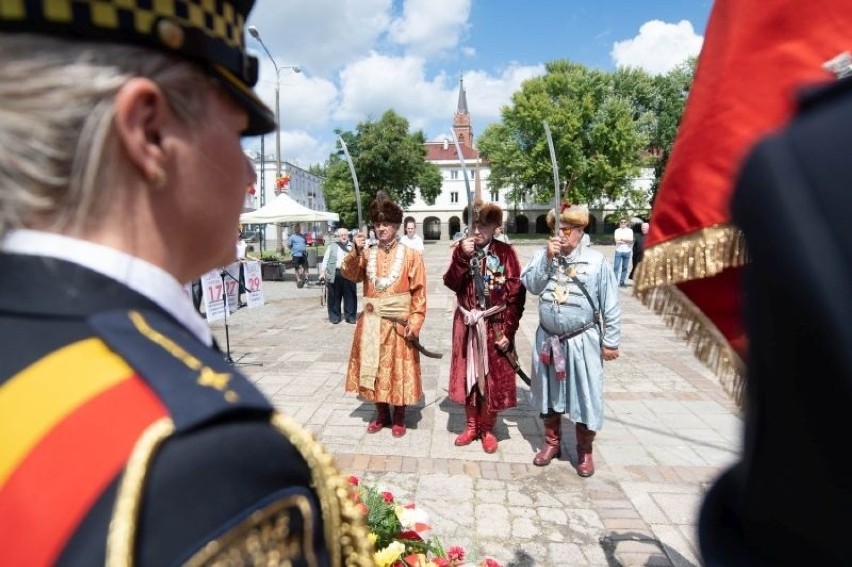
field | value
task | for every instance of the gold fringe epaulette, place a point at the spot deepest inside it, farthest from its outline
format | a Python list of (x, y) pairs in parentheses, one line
[(701, 254)]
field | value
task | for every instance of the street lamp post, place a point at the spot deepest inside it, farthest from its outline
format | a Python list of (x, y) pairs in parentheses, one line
[(255, 33)]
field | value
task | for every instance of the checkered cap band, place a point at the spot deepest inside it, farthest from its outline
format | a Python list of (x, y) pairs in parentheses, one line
[(210, 32)]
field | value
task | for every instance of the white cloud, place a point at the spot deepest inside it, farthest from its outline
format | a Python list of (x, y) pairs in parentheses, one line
[(306, 102), (487, 94), (303, 149), (377, 83), (429, 27), (659, 46), (319, 35)]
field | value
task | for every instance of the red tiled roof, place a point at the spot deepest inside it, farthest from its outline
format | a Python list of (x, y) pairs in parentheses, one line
[(435, 152)]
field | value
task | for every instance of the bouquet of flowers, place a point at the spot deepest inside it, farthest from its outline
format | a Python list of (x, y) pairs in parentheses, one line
[(402, 534)]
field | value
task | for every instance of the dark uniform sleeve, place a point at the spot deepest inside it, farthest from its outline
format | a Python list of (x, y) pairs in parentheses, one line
[(223, 477)]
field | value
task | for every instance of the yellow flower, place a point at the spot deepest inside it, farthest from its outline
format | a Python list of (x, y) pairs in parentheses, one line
[(372, 537), (387, 556)]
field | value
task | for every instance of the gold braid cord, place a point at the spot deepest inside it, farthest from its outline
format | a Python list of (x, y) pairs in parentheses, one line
[(346, 532), (264, 538), (701, 254), (121, 537)]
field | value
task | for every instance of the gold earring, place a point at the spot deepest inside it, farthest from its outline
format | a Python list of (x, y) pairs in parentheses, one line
[(159, 179)]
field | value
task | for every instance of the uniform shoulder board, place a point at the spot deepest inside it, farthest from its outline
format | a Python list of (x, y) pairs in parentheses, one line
[(194, 382)]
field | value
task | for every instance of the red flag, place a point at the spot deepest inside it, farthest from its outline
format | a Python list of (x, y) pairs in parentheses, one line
[(756, 57)]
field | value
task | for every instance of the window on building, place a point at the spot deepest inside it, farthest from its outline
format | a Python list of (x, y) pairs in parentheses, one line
[(495, 195), (454, 196), (454, 174)]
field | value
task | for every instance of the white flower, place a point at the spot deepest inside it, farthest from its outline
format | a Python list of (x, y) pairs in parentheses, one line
[(416, 519)]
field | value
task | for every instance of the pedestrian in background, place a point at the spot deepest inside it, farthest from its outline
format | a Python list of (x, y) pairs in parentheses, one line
[(484, 274), (639, 232), (579, 328), (298, 246), (623, 249), (411, 238), (384, 365), (339, 288), (126, 437), (500, 235)]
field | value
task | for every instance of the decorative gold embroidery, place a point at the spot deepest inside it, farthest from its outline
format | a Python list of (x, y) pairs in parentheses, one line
[(207, 376), (264, 538), (158, 338), (342, 521), (122, 525), (211, 378)]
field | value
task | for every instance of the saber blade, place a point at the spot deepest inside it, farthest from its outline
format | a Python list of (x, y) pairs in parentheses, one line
[(354, 180), (555, 167), (466, 184)]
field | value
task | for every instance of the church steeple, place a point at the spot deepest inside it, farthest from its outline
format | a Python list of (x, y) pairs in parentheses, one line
[(461, 121), (462, 106)]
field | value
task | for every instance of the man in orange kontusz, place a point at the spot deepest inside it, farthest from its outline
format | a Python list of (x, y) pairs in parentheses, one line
[(384, 366)]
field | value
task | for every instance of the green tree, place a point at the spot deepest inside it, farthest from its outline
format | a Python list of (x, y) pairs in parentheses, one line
[(317, 169), (671, 91), (386, 156), (595, 120)]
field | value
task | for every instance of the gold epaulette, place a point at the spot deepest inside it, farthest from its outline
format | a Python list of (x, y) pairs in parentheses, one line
[(264, 536)]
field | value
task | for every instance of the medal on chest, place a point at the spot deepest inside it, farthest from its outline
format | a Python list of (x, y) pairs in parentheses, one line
[(563, 274)]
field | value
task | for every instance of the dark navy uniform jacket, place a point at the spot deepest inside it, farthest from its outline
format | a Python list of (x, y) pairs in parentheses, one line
[(102, 392), (790, 496)]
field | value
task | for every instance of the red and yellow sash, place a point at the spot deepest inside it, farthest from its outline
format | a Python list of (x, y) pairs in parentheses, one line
[(68, 423)]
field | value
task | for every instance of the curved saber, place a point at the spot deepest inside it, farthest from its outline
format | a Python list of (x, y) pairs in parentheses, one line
[(354, 180), (555, 167), (466, 185)]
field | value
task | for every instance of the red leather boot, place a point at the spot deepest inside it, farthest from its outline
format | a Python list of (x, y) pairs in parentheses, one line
[(487, 419), (552, 447), (381, 420), (585, 437), (471, 431), (398, 429)]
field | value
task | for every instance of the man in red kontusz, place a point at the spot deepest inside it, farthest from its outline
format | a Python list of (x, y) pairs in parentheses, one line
[(485, 274)]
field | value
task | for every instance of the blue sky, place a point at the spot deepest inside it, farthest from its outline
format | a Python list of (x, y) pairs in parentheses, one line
[(361, 57)]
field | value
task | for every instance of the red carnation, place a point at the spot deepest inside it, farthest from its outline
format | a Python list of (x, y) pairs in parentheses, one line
[(455, 553), (388, 497), (353, 480)]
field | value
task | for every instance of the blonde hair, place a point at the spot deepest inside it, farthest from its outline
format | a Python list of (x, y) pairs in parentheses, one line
[(57, 145)]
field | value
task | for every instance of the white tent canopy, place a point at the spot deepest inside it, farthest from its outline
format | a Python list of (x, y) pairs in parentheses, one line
[(285, 209)]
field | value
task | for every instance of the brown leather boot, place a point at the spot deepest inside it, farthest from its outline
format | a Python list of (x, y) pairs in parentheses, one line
[(381, 420), (487, 419), (552, 447), (585, 464), (398, 429), (471, 431)]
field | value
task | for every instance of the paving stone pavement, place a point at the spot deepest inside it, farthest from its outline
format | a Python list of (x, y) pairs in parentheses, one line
[(669, 430)]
